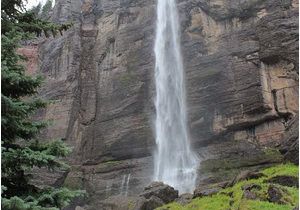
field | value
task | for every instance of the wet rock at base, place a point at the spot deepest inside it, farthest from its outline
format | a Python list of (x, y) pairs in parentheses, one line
[(160, 190)]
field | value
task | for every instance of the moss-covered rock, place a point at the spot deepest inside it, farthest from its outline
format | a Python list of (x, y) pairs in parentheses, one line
[(234, 197)]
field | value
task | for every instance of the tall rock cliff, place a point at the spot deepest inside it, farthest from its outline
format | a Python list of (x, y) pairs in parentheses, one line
[(241, 62)]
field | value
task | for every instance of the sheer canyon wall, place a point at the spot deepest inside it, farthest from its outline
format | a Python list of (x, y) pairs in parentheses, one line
[(241, 62)]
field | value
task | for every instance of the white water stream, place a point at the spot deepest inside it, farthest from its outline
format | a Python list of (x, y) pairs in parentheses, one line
[(175, 163), (125, 184)]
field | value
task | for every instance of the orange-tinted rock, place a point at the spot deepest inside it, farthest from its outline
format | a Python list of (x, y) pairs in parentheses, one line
[(31, 54)]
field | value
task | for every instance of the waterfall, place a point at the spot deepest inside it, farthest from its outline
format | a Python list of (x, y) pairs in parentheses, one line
[(122, 185), (125, 184), (174, 162)]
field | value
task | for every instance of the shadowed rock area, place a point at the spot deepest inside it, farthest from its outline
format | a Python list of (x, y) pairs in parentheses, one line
[(241, 62)]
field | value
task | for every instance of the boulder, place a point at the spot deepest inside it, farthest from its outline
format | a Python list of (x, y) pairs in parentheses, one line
[(160, 190), (274, 194), (248, 194), (289, 181), (200, 192)]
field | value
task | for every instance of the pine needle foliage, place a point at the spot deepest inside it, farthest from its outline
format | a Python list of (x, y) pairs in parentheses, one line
[(21, 149)]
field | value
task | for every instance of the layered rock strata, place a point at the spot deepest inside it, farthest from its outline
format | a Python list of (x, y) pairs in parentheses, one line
[(241, 62)]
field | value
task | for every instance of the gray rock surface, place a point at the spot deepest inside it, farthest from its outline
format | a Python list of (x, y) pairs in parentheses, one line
[(290, 144), (158, 189), (152, 203)]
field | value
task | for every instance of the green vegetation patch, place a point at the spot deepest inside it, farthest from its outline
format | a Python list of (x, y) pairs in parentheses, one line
[(233, 198), (282, 169), (131, 205), (262, 205), (215, 202)]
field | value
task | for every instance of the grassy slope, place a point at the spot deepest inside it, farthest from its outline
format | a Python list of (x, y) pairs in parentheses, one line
[(231, 198)]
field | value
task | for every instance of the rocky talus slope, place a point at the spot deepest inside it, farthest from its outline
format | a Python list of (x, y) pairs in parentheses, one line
[(241, 62)]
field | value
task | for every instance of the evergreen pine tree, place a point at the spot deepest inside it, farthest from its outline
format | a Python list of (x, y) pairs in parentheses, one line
[(21, 149)]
